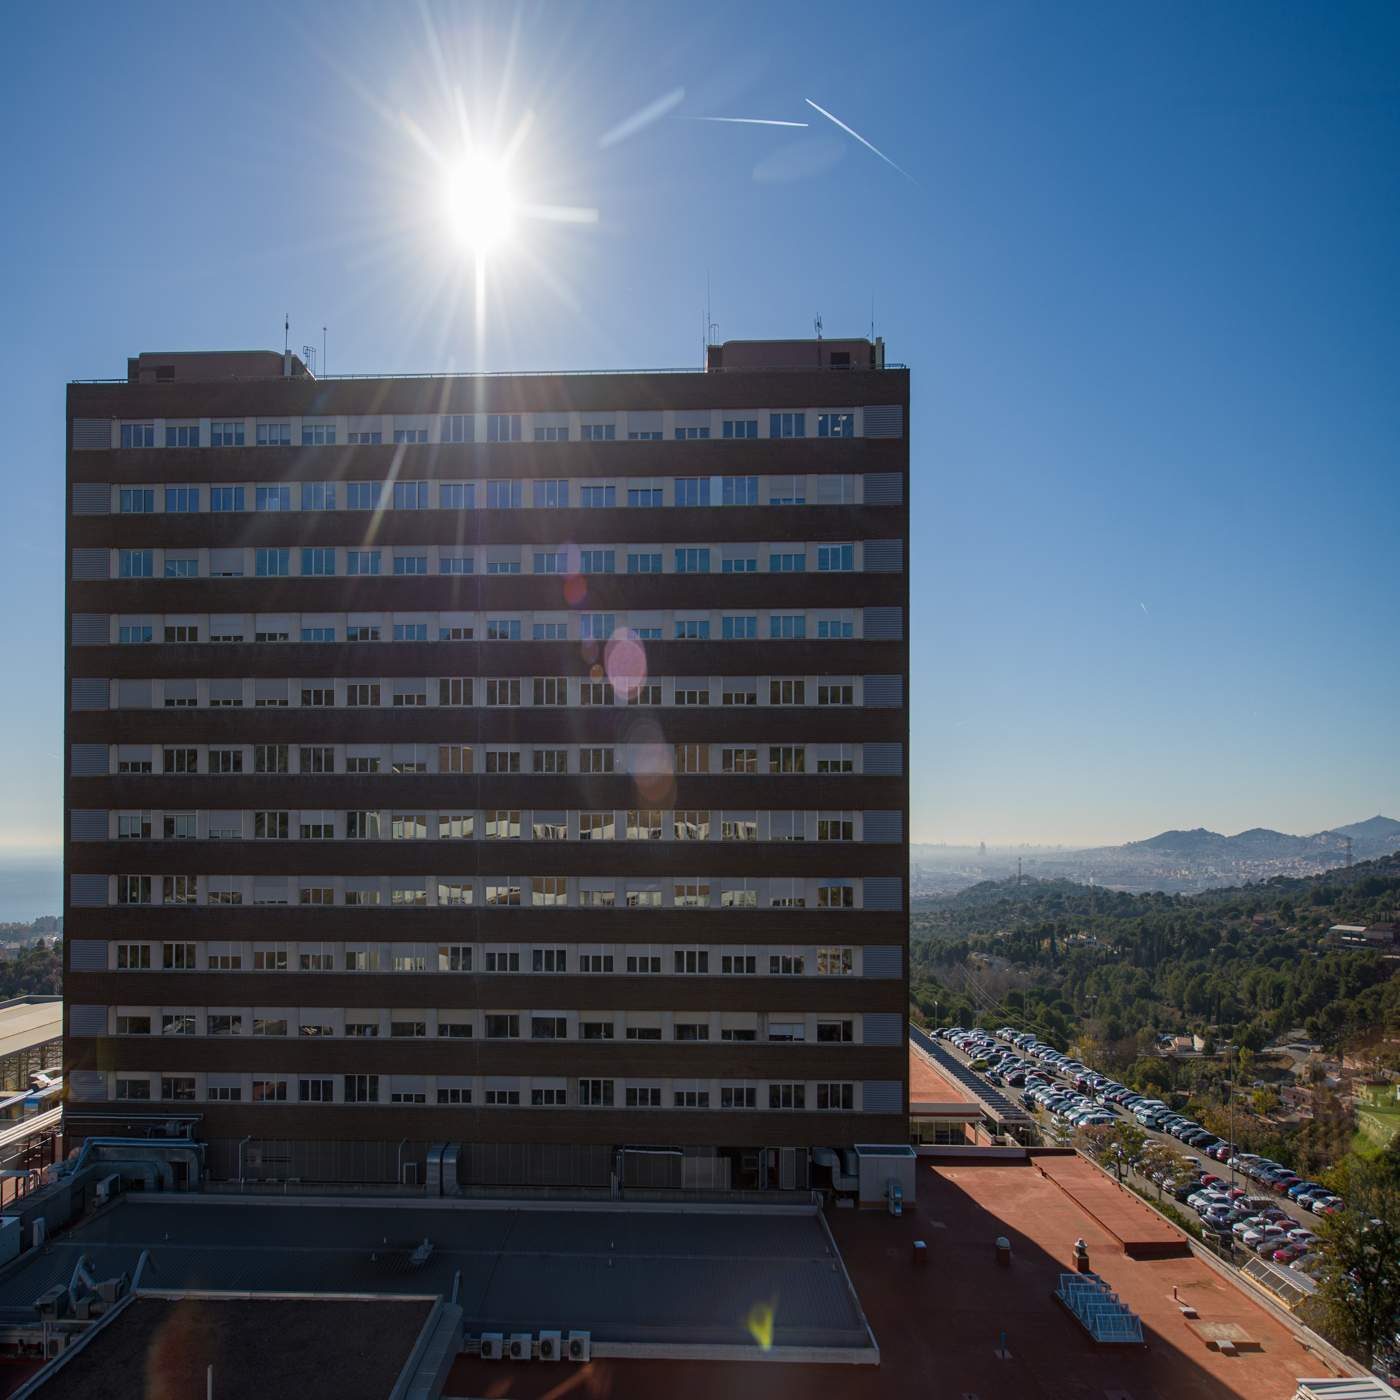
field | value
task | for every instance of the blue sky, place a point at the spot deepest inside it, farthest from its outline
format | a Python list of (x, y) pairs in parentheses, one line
[(1144, 271)]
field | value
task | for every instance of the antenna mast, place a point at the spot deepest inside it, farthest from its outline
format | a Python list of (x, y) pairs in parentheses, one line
[(286, 332)]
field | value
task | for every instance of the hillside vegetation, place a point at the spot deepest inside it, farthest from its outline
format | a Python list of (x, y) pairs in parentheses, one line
[(1248, 963)]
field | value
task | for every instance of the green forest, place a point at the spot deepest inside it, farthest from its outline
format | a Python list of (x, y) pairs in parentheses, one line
[(36, 969), (1104, 974), (1244, 964)]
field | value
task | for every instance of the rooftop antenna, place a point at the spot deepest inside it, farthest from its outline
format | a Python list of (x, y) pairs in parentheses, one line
[(286, 331), (817, 326), (323, 350), (308, 354), (872, 317)]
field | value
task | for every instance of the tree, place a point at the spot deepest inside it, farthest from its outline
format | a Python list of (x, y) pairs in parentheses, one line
[(1160, 1159), (1112, 1144), (1358, 1299)]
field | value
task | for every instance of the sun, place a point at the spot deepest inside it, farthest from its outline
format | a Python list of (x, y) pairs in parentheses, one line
[(478, 205)]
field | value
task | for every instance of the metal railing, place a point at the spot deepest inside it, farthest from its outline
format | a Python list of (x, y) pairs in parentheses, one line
[(518, 374)]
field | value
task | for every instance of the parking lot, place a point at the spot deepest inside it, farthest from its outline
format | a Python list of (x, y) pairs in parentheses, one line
[(1245, 1202)]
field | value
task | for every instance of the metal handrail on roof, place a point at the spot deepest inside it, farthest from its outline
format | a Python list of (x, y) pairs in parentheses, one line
[(515, 374)]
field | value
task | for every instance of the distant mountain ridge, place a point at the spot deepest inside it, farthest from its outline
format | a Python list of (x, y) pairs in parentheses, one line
[(1375, 836), (1180, 862)]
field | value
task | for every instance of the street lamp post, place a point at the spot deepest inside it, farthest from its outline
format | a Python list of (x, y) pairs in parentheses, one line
[(1230, 1089)]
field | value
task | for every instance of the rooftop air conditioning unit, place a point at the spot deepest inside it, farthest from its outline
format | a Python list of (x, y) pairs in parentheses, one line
[(551, 1346), (492, 1346), (522, 1346), (580, 1346), (107, 1188)]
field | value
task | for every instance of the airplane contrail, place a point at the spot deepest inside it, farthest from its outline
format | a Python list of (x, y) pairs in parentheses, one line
[(748, 121), (653, 111), (850, 132)]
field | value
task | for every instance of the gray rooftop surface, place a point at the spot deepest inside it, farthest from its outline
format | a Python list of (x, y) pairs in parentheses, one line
[(624, 1276)]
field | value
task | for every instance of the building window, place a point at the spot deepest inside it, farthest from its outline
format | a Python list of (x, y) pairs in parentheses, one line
[(646, 496), (138, 435), (226, 434), (181, 500), (410, 495), (795, 563), (272, 498), (550, 495), (365, 438), (787, 626), (136, 500), (361, 1088), (406, 565), (599, 432), (692, 490), (649, 563), (502, 427), (318, 563), (597, 627), (742, 761), (226, 498), (787, 1096), (787, 425), (740, 428), (363, 495), (457, 495), (836, 1096), (361, 561), (458, 427), (274, 435), (740, 628), (836, 894), (272, 563), (692, 561), (410, 435), (504, 495), (597, 561), (692, 434), (835, 558), (595, 1093), (739, 490), (598, 497), (835, 962), (318, 434), (135, 563), (692, 629), (837, 425)]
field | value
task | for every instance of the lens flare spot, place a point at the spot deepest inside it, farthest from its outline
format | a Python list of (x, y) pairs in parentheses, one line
[(653, 772), (760, 1323), (575, 590), (625, 660)]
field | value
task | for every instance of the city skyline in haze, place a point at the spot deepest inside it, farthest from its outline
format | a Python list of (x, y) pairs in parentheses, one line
[(1140, 263)]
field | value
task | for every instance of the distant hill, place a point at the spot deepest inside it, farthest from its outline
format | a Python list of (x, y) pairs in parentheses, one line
[(1172, 861), (1374, 837)]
